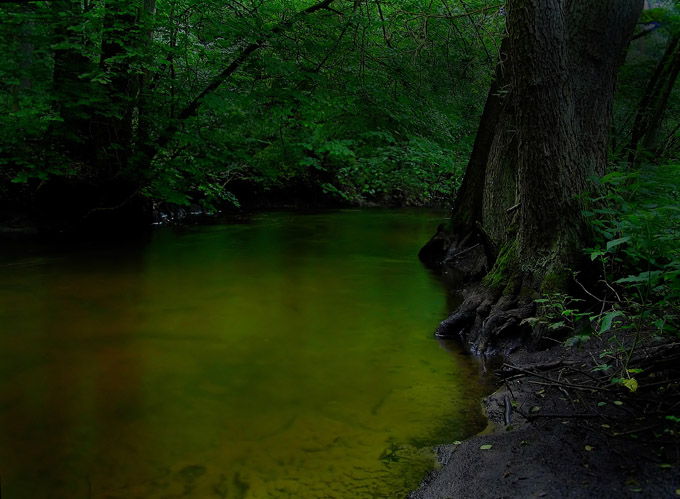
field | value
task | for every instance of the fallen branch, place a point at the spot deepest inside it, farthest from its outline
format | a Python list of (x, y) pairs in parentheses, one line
[(635, 430), (508, 410), (544, 366), (561, 416), (555, 382)]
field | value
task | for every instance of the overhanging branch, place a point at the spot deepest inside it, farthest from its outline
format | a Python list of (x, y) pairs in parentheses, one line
[(190, 110)]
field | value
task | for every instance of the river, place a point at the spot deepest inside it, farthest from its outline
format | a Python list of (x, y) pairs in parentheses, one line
[(288, 356)]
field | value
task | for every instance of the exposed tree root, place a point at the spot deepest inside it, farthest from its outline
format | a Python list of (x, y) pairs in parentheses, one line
[(498, 295), (489, 325)]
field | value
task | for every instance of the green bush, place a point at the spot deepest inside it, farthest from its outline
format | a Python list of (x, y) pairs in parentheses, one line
[(636, 227)]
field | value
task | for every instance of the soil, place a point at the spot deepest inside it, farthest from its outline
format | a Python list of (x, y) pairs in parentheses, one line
[(558, 428)]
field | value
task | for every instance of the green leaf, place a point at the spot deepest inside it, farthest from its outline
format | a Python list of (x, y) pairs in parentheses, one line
[(642, 277), (576, 341), (21, 178), (309, 161), (631, 384), (617, 242), (606, 323), (530, 320), (595, 253), (485, 447)]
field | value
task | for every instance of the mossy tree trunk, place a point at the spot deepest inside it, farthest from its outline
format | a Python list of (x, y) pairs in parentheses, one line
[(544, 131)]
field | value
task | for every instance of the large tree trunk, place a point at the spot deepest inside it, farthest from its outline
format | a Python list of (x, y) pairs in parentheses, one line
[(544, 131)]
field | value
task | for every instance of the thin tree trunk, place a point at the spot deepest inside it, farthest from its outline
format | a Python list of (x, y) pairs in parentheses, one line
[(144, 116), (68, 89), (467, 207), (112, 127), (655, 100)]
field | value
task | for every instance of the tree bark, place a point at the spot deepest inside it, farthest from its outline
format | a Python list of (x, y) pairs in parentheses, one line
[(112, 129), (70, 90), (544, 131)]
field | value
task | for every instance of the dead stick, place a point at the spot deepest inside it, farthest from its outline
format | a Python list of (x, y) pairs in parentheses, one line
[(547, 378), (508, 409), (566, 416)]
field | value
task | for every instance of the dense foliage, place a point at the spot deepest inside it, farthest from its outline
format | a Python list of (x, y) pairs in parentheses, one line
[(636, 223), (634, 211), (195, 101)]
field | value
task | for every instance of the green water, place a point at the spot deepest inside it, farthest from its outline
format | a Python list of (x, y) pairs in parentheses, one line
[(288, 357)]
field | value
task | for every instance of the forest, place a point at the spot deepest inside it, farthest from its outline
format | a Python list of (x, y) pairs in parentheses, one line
[(116, 107), (119, 106), (548, 129)]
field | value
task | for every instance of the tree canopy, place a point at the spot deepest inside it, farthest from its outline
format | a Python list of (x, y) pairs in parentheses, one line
[(210, 102)]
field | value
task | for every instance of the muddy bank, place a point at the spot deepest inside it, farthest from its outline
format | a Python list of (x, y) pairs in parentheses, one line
[(559, 429)]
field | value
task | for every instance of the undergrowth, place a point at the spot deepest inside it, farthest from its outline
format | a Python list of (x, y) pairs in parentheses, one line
[(635, 221)]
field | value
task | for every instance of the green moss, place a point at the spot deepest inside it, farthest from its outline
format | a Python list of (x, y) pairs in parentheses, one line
[(555, 281), (528, 293), (503, 276)]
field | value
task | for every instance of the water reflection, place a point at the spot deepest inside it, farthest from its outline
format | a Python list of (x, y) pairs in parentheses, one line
[(289, 357)]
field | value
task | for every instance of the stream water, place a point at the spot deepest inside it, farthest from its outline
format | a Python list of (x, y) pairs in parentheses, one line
[(291, 356)]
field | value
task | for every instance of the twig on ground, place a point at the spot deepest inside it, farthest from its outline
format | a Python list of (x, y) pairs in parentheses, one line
[(556, 382), (508, 410), (560, 416), (635, 430)]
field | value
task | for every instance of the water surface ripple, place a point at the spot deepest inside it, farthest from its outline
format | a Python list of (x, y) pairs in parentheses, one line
[(288, 357)]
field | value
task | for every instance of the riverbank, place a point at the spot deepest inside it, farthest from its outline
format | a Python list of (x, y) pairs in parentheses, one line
[(559, 429), (20, 222)]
